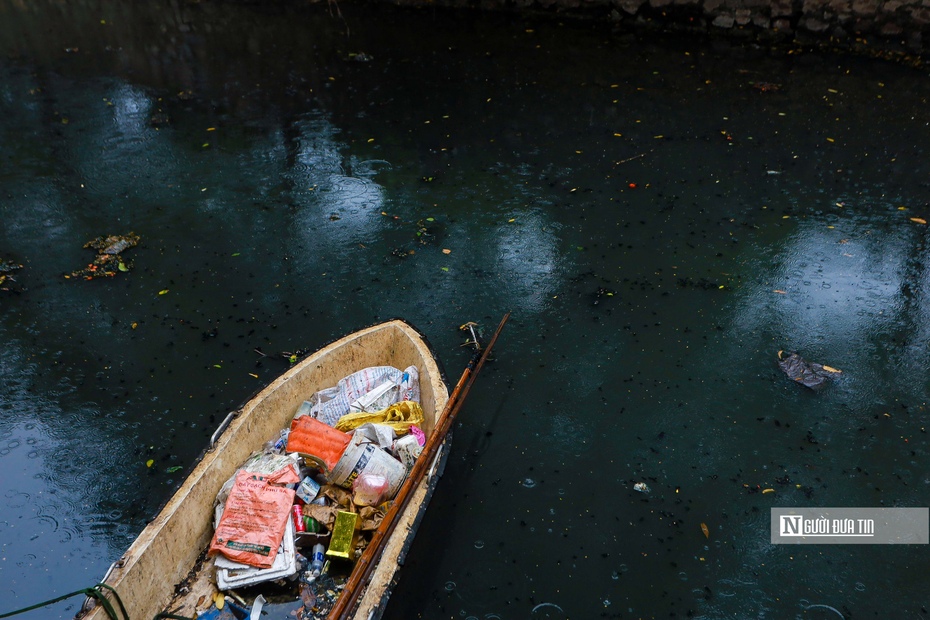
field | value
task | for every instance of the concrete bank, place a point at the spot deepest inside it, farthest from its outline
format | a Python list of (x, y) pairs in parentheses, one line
[(897, 29)]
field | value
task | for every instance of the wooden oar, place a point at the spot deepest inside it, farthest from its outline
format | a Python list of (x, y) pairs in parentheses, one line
[(348, 600)]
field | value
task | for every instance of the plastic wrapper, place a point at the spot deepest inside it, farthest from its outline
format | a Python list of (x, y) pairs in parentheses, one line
[(317, 442), (369, 489), (253, 521), (332, 403), (809, 374), (381, 434), (274, 468), (399, 416)]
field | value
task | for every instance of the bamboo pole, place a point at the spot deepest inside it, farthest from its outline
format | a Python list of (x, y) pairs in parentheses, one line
[(348, 600)]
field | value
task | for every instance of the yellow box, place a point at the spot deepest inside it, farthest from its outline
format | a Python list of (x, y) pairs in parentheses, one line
[(340, 545)]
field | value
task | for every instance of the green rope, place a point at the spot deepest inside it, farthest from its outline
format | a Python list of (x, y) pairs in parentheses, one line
[(94, 592), (98, 594)]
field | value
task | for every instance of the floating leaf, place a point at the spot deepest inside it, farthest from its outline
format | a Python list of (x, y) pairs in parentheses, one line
[(162, 292), (780, 292), (134, 325), (705, 530), (217, 366), (444, 268), (831, 369), (236, 253), (919, 220), (122, 266), (252, 374), (768, 490), (430, 219), (150, 462), (446, 251), (171, 470)]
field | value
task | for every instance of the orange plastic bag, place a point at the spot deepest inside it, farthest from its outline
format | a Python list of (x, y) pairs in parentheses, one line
[(253, 522), (320, 442)]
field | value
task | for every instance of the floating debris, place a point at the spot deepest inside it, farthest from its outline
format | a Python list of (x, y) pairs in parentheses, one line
[(429, 231), (159, 119), (109, 258), (601, 293), (766, 87), (319, 595), (701, 283), (808, 374), (642, 487), (6, 268)]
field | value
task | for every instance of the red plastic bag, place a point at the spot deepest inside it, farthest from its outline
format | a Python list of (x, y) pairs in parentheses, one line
[(253, 522), (319, 441)]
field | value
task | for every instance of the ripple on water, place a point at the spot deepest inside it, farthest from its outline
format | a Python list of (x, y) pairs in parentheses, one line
[(16, 499), (547, 611)]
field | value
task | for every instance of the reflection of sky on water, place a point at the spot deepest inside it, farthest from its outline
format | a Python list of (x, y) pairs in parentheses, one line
[(132, 110), (843, 290), (326, 183), (846, 292), (343, 192)]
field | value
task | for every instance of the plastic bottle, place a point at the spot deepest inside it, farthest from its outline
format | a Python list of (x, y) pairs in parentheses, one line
[(316, 559)]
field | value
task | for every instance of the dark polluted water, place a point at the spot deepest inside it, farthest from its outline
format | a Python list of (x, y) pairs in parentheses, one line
[(662, 217)]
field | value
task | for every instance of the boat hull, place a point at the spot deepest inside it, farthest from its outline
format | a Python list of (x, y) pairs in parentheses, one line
[(165, 568)]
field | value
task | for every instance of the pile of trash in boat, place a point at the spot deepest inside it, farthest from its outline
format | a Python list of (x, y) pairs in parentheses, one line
[(302, 510)]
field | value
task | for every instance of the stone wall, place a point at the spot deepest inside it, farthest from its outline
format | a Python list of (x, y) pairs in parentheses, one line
[(892, 28)]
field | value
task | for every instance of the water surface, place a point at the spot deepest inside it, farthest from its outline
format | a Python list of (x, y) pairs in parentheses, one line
[(659, 225)]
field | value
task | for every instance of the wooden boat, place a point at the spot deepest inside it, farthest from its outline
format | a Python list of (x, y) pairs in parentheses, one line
[(148, 578)]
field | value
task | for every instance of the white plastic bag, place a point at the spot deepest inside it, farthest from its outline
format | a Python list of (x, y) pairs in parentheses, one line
[(394, 386)]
